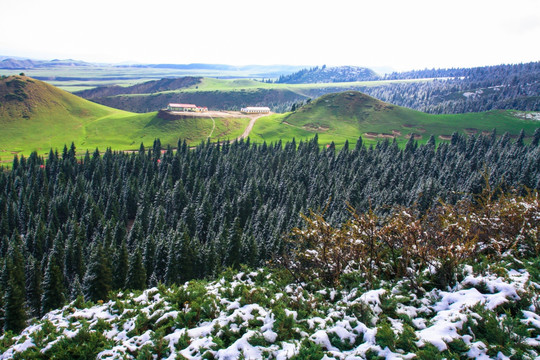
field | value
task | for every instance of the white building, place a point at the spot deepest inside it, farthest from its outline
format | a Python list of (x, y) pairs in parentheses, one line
[(186, 107), (255, 110)]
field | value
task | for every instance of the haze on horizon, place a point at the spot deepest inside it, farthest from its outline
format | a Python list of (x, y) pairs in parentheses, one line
[(402, 35)]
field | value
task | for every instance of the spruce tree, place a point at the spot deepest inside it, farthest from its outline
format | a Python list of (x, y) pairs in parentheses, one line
[(121, 264), (53, 285), (14, 288), (136, 275), (97, 281), (34, 283)]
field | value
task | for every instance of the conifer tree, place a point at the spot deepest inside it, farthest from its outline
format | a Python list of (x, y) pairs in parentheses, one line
[(14, 287), (136, 275), (97, 280), (53, 286), (234, 245), (76, 289), (121, 264), (34, 289)]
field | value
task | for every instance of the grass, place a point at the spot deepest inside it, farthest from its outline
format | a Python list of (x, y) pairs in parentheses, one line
[(50, 118), (346, 116)]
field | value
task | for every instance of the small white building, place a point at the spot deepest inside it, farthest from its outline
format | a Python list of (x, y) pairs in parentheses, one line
[(255, 110), (186, 107)]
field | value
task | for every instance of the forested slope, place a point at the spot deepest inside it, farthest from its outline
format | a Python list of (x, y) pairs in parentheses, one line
[(117, 220)]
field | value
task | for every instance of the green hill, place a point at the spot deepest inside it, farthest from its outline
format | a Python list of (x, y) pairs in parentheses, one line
[(36, 116), (347, 115)]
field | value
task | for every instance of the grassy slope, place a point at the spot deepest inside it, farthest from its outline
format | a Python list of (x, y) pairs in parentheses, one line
[(345, 116), (50, 117)]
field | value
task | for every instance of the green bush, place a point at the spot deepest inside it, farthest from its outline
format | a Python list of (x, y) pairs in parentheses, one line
[(309, 351), (341, 344), (406, 341), (84, 346), (385, 336)]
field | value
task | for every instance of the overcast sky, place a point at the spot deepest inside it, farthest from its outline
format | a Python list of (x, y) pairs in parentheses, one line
[(402, 34)]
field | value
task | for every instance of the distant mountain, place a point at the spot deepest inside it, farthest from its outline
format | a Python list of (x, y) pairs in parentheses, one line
[(148, 87), (24, 64), (329, 74), (235, 71)]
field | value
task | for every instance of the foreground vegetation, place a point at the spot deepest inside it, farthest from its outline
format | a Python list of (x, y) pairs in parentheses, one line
[(460, 281), (117, 221)]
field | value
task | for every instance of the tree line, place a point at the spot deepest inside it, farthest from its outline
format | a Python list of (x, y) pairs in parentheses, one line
[(460, 90), (72, 227)]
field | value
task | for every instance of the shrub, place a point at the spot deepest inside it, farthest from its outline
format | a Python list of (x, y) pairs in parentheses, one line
[(85, 345), (406, 243), (309, 351), (385, 336)]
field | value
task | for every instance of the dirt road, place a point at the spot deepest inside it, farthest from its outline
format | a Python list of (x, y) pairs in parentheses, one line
[(250, 125)]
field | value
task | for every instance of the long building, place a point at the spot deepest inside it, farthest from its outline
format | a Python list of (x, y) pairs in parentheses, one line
[(255, 110), (186, 107)]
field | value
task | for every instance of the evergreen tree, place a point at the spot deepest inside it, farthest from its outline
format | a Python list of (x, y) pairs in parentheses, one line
[(121, 264), (97, 280), (234, 245), (14, 288), (53, 285), (136, 275), (34, 289)]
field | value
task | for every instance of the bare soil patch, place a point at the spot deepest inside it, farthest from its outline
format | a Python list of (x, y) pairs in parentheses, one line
[(315, 127), (445, 137), (470, 131), (414, 136), (373, 135)]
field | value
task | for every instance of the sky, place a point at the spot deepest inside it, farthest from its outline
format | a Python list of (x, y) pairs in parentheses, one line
[(403, 35)]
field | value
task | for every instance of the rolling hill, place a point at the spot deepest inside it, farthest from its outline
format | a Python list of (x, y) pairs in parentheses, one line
[(143, 88), (36, 116), (347, 115)]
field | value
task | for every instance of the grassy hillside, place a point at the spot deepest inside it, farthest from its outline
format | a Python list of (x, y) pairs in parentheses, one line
[(347, 115), (36, 116)]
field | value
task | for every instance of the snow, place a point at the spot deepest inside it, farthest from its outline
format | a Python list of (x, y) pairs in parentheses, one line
[(321, 338), (437, 316), (372, 298), (28, 343), (270, 336), (240, 347)]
